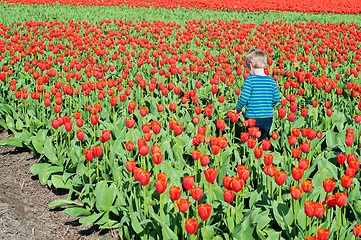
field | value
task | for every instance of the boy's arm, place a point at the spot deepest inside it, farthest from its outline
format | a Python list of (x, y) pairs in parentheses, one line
[(276, 95), (245, 94)]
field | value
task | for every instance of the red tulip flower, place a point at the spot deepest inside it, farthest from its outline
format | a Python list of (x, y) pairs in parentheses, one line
[(341, 158), (175, 192), (252, 142), (210, 174), (268, 159), (129, 123), (329, 185), (258, 152), (188, 182), (341, 199), (304, 163), (215, 149), (204, 211), (346, 181), (157, 157), (228, 195), (266, 144), (275, 135), (237, 184), (178, 129), (311, 238), (88, 154), (106, 134), (130, 165), (307, 185), (191, 225), (160, 107), (129, 146), (331, 200), (244, 136), (297, 173), (196, 154), (161, 185), (162, 176), (144, 177), (357, 230), (197, 193), (310, 208), (280, 177), (204, 159), (227, 181), (323, 234), (282, 113), (80, 135), (172, 106), (143, 150), (143, 111), (296, 152), (183, 204), (243, 172), (320, 210), (296, 192), (97, 151), (94, 119)]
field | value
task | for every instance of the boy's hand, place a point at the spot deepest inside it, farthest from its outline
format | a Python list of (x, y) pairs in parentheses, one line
[(239, 112)]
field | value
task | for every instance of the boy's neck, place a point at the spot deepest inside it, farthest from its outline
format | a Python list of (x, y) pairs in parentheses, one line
[(258, 71)]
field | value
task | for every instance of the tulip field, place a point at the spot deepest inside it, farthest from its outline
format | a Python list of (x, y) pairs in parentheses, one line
[(129, 106)]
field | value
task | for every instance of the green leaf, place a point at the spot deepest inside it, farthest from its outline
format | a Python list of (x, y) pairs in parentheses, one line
[(12, 142), (37, 168), (77, 211), (104, 196), (49, 152), (64, 202), (86, 221)]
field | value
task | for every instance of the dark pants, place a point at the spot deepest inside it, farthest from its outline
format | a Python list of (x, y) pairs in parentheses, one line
[(264, 125)]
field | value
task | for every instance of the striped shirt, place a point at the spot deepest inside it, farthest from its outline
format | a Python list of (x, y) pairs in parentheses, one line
[(259, 95)]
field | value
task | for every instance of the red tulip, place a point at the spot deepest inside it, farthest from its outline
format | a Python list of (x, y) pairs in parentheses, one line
[(292, 140), (144, 177), (143, 150), (183, 204), (204, 159), (188, 182), (208, 111), (175, 192), (243, 172), (172, 106), (227, 181), (268, 159), (223, 142), (275, 135), (162, 176), (210, 174), (237, 184), (310, 208), (191, 225), (346, 181), (97, 151), (157, 157), (196, 154), (304, 163), (331, 200), (251, 122), (295, 132), (281, 112), (305, 147), (296, 152), (244, 137), (341, 158), (266, 144), (296, 192), (349, 140), (357, 230), (228, 195), (201, 130), (129, 146), (94, 119), (143, 111), (172, 123), (320, 209), (304, 112), (307, 185), (178, 129), (297, 173), (280, 177), (221, 125), (197, 193), (146, 128), (88, 154), (258, 152), (323, 234), (130, 165), (204, 211), (311, 238), (160, 107), (129, 123), (80, 135), (341, 199), (329, 185), (252, 142)]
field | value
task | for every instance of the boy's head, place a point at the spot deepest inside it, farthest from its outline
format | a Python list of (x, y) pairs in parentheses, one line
[(256, 58)]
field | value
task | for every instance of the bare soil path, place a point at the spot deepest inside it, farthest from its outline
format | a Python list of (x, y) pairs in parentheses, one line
[(24, 211)]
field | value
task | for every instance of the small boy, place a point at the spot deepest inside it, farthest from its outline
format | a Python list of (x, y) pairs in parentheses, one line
[(259, 93)]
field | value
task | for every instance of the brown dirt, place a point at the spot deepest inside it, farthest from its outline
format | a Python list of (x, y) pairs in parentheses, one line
[(24, 213)]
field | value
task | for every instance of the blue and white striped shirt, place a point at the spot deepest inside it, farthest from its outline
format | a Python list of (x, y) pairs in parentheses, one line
[(259, 95)]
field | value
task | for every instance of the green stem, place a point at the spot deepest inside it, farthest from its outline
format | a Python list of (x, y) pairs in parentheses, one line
[(89, 172), (338, 222), (160, 205), (279, 193), (145, 204)]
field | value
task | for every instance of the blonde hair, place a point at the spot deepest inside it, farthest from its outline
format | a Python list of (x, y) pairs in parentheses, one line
[(257, 58)]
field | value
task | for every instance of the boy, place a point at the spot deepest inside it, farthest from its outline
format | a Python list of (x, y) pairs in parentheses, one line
[(259, 93)]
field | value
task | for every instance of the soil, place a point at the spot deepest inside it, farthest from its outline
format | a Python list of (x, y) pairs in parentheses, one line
[(24, 210)]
